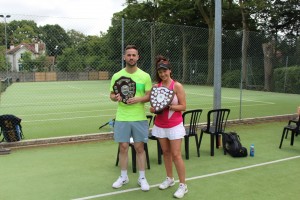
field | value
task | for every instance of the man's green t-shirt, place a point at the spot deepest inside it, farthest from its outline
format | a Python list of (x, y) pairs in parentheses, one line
[(133, 112)]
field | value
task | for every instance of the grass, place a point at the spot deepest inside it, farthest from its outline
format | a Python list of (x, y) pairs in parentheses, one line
[(86, 169), (53, 109)]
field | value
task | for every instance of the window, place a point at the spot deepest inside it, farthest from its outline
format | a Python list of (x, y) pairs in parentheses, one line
[(20, 67)]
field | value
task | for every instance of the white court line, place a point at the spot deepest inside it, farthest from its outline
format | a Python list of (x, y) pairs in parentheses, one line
[(245, 105), (265, 102), (74, 112), (67, 118), (237, 106), (106, 95), (56, 103), (73, 87), (58, 119), (192, 178)]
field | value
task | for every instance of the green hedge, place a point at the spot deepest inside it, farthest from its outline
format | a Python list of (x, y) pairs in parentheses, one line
[(231, 79), (287, 80), (5, 83)]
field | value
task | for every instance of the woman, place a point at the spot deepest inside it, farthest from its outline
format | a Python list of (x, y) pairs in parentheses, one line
[(168, 127)]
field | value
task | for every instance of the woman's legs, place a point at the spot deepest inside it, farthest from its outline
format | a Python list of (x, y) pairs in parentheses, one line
[(175, 146), (166, 149)]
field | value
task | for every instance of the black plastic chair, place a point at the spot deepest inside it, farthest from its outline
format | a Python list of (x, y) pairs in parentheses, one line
[(159, 150), (292, 121), (294, 127), (191, 118), (133, 152), (216, 124)]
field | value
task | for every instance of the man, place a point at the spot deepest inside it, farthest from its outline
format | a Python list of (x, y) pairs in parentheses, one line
[(131, 118)]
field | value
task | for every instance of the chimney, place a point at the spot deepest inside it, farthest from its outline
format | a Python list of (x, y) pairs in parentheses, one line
[(36, 47)]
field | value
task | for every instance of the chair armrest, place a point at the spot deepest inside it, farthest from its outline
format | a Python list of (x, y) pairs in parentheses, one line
[(293, 121)]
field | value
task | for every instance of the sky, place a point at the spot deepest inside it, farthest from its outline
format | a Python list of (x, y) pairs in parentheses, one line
[(86, 16)]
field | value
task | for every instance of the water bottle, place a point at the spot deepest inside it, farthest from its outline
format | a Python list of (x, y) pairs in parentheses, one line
[(111, 124), (252, 150)]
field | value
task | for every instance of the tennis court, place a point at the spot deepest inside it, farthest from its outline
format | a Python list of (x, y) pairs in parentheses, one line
[(52, 109), (87, 170)]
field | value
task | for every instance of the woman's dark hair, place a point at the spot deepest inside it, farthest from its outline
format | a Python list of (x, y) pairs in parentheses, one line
[(161, 62), (161, 59)]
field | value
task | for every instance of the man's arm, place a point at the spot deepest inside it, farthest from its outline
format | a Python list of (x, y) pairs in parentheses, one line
[(146, 98)]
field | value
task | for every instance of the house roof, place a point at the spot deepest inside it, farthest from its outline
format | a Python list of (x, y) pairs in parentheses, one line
[(29, 47)]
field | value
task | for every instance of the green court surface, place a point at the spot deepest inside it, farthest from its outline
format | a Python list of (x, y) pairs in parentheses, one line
[(87, 171), (53, 109)]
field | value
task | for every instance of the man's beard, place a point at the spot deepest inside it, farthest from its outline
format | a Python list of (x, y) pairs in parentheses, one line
[(131, 65)]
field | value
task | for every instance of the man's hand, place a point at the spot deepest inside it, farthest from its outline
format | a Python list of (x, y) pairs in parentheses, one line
[(115, 97), (133, 100)]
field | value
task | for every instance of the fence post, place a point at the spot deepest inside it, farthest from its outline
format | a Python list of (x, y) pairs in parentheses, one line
[(285, 73), (241, 93), (123, 35)]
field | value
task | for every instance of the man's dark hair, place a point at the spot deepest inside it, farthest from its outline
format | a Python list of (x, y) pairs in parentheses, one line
[(131, 46)]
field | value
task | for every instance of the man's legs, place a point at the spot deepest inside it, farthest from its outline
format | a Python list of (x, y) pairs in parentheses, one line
[(121, 135), (123, 158), (140, 154), (123, 155), (140, 131), (141, 161)]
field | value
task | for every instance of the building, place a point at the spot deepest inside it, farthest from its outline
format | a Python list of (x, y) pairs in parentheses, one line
[(14, 54)]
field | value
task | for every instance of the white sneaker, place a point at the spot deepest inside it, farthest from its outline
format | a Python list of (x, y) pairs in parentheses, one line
[(120, 182), (182, 189), (167, 183), (144, 184)]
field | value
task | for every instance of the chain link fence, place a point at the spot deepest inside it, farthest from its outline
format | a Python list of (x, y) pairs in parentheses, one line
[(42, 49)]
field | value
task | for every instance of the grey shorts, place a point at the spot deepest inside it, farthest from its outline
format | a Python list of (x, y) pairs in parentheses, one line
[(138, 130)]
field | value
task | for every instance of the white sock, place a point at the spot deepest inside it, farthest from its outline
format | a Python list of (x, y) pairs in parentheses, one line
[(182, 184), (123, 174), (142, 174)]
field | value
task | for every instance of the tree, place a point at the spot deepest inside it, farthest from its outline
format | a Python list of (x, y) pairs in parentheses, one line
[(31, 64), (268, 49), (279, 21), (245, 43), (206, 8), (2, 34), (279, 16), (55, 38), (181, 12), (70, 61), (24, 31), (91, 49), (176, 12), (75, 37), (2, 58)]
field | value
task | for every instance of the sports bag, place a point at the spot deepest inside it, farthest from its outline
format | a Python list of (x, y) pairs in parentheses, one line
[(11, 128), (233, 145)]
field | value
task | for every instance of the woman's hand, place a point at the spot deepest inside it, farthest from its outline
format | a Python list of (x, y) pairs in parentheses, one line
[(151, 109)]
